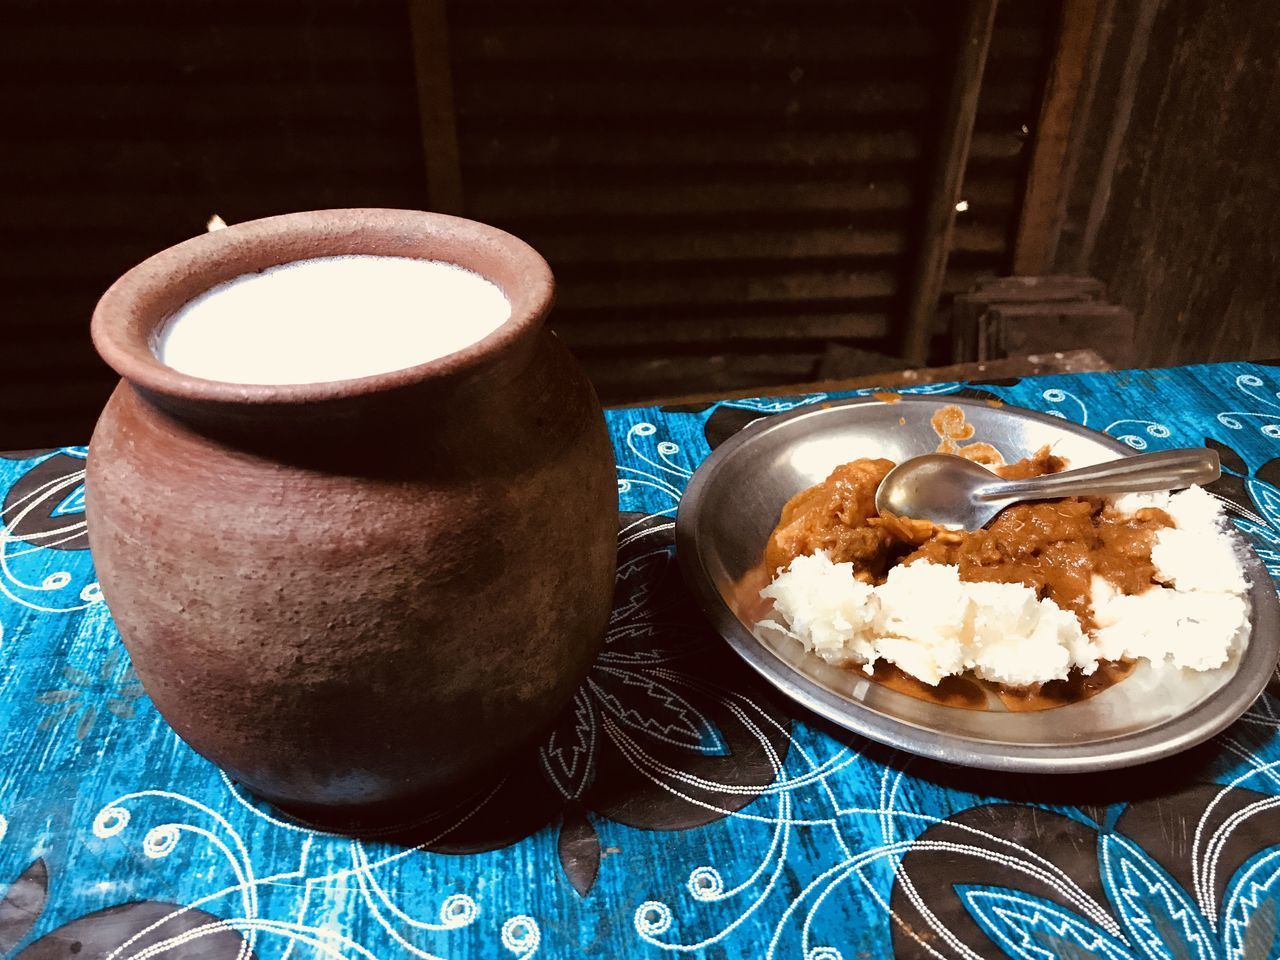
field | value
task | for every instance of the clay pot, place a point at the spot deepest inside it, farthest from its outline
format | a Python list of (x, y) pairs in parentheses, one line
[(358, 592)]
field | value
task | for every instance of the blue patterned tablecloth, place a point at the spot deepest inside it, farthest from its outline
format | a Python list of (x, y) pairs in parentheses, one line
[(680, 808)]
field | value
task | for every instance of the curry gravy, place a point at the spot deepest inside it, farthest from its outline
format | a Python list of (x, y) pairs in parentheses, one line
[(1055, 547), (970, 693)]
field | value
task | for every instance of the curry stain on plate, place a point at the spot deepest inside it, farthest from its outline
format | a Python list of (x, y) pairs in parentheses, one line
[(885, 397), (970, 693), (1060, 693), (950, 426)]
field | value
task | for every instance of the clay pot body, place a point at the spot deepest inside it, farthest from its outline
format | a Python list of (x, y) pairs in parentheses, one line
[(354, 593)]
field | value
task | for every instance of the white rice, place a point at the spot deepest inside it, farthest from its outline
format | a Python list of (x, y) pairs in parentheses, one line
[(931, 624)]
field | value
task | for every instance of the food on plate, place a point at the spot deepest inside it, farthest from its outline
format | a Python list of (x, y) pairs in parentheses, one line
[(1049, 592)]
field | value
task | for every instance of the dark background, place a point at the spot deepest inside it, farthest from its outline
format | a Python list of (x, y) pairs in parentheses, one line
[(728, 192)]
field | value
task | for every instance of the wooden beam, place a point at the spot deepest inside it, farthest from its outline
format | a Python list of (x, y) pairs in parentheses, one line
[(1072, 361), (1082, 128), (1134, 58), (957, 131), (430, 26), (1041, 218)]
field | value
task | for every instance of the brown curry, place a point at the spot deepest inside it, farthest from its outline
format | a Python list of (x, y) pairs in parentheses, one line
[(1054, 547)]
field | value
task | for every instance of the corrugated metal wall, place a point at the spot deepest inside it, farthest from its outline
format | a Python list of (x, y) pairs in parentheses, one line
[(126, 124), (723, 188)]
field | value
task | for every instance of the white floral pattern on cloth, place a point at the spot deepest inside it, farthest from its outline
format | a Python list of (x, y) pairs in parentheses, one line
[(676, 809)]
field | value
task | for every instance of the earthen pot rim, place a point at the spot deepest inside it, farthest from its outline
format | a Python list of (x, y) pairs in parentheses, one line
[(133, 309)]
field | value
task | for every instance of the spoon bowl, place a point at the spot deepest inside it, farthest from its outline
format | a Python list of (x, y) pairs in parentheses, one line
[(940, 487), (962, 495)]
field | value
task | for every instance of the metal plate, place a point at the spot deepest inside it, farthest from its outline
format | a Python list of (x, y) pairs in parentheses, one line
[(733, 502)]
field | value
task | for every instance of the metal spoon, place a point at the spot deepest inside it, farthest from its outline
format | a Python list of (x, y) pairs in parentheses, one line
[(958, 493)]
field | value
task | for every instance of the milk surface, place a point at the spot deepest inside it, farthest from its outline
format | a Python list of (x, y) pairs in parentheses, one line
[(331, 318)]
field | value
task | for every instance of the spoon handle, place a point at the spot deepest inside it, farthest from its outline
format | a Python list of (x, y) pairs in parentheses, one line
[(1164, 470)]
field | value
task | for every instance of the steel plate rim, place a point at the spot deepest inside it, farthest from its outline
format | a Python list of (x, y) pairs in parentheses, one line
[(1174, 735)]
